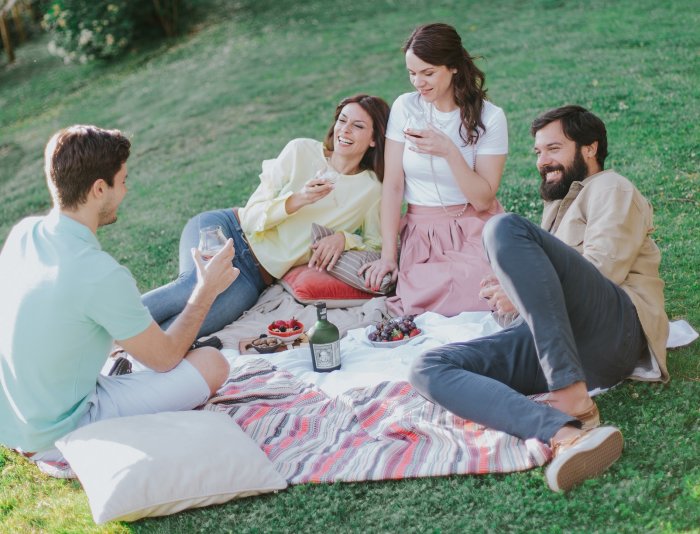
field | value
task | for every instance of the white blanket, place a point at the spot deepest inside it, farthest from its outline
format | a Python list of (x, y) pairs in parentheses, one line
[(362, 364)]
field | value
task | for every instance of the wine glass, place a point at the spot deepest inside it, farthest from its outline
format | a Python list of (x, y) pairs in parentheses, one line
[(211, 240), (416, 122), (330, 175)]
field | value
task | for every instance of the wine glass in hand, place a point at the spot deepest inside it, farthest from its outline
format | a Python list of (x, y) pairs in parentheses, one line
[(415, 123), (211, 240), (330, 176), (328, 173)]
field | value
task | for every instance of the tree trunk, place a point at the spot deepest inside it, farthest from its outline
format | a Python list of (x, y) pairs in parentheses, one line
[(19, 25), (5, 34)]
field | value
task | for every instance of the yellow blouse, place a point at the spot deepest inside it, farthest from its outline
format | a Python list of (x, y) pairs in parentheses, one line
[(280, 240)]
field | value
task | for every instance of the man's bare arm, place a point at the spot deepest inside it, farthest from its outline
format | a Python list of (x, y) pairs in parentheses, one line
[(163, 350)]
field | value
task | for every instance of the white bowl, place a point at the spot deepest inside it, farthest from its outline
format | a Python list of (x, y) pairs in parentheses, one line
[(387, 344)]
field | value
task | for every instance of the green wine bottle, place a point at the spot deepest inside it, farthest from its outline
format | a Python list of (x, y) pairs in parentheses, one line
[(324, 339)]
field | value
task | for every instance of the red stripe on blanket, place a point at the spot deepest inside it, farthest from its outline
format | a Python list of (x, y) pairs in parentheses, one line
[(384, 432)]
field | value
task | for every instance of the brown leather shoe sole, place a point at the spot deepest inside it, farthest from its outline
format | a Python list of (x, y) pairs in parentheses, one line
[(587, 456)]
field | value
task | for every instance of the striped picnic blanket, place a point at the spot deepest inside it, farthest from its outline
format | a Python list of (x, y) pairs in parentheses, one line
[(383, 432)]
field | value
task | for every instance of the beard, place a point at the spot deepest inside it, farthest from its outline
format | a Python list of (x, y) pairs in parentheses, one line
[(107, 215), (577, 172)]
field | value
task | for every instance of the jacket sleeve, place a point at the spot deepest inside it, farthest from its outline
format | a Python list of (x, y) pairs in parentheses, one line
[(618, 221)]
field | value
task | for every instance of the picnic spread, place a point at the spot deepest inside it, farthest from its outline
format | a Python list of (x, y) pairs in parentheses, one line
[(365, 421)]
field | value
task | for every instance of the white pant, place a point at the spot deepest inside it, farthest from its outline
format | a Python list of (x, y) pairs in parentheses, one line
[(141, 392)]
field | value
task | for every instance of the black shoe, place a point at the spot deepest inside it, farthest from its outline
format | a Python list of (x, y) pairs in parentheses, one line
[(213, 341), (121, 366)]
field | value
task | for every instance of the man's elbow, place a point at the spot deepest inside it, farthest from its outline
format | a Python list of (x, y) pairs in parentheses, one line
[(163, 361)]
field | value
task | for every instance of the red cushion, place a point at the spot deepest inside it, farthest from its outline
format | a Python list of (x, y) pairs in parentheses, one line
[(309, 286)]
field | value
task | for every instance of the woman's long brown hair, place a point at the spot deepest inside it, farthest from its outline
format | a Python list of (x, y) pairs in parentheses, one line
[(378, 110), (440, 44)]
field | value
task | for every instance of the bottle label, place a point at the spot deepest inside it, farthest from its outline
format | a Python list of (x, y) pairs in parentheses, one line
[(326, 355)]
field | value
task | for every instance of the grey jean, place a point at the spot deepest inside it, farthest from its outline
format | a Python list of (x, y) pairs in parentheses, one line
[(575, 325)]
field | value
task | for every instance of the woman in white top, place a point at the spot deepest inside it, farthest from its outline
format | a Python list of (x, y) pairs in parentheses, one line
[(445, 153)]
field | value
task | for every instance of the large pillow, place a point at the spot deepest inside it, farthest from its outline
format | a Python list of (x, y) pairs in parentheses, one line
[(350, 261), (159, 464), (309, 286)]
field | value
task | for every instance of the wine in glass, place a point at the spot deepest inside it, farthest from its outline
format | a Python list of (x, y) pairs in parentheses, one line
[(414, 123), (211, 240)]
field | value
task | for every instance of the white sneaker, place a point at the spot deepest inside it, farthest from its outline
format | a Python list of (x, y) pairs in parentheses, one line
[(583, 457)]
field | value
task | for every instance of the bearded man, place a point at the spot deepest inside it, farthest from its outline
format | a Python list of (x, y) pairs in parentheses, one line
[(590, 301)]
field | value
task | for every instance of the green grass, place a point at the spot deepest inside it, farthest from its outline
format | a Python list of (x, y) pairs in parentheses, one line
[(205, 109)]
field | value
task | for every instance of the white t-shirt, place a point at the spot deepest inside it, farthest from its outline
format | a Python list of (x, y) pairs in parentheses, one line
[(420, 187)]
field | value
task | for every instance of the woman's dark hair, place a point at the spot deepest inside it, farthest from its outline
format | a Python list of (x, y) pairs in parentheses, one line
[(77, 156), (579, 125), (378, 110), (440, 44)]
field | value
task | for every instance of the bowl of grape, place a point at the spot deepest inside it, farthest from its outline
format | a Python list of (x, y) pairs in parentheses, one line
[(288, 331), (392, 332)]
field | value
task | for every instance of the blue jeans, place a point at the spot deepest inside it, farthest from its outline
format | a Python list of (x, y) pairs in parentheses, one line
[(166, 302), (576, 325)]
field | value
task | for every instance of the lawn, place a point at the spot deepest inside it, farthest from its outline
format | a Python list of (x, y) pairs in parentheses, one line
[(205, 109)]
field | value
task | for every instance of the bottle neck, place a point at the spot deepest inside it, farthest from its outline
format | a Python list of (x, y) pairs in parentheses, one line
[(321, 312)]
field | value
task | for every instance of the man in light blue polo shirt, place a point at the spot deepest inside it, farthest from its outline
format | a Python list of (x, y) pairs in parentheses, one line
[(64, 301)]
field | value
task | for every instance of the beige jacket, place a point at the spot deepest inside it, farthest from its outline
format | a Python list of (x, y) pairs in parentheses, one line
[(607, 219)]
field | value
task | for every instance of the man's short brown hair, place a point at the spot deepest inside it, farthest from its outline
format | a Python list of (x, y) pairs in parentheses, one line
[(77, 156)]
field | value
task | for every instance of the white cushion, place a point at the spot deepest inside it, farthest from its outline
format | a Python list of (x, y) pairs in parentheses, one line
[(159, 464)]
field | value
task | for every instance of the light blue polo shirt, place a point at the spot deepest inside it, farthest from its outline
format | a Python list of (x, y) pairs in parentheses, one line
[(62, 303)]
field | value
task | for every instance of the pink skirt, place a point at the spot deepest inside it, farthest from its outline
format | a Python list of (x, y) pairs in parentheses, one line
[(442, 261)]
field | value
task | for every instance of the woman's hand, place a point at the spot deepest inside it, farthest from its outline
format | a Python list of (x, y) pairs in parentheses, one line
[(327, 251), (313, 191), (375, 271), (492, 291), (429, 141)]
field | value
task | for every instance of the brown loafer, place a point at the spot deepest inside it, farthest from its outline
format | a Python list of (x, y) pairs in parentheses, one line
[(590, 419), (585, 456)]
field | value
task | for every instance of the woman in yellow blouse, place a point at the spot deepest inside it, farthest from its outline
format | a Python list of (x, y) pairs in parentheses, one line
[(336, 184)]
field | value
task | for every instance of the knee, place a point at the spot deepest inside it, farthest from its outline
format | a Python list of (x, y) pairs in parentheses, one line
[(220, 369), (499, 231), (205, 218), (423, 372), (498, 227), (212, 365)]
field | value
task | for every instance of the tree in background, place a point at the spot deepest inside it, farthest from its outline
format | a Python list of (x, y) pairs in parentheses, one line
[(85, 30)]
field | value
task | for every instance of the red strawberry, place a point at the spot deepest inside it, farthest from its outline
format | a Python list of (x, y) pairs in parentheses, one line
[(396, 335), (414, 332)]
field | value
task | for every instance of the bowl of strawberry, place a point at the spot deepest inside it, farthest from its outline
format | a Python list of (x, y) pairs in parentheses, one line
[(286, 330), (392, 332)]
